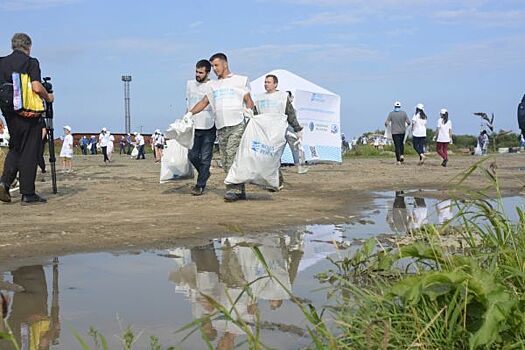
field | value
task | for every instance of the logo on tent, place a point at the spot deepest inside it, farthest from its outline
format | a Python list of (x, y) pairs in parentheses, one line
[(317, 98), (311, 126), (334, 129)]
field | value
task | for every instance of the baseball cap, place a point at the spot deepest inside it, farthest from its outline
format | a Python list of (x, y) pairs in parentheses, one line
[(420, 106), (397, 104), (67, 127), (443, 111)]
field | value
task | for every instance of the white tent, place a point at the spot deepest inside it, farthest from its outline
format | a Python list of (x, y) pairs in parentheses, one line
[(318, 111)]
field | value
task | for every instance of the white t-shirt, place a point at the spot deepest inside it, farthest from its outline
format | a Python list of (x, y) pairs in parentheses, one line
[(274, 102), (139, 139), (444, 130), (226, 97), (195, 91), (159, 140), (419, 126), (67, 147), (103, 139)]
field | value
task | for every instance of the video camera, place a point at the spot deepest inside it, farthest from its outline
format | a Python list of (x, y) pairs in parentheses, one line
[(47, 85)]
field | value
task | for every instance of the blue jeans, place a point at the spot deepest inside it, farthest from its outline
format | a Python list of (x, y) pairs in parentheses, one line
[(419, 144), (201, 153), (141, 152)]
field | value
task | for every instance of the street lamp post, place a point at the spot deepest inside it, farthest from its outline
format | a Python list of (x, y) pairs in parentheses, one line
[(127, 116)]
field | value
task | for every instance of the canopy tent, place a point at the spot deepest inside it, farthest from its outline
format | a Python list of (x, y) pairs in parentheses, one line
[(318, 112)]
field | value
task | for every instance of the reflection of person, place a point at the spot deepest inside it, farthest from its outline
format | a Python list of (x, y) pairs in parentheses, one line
[(444, 211), (228, 96), (25, 133), (32, 326), (200, 155), (398, 121), (418, 216), (274, 101), (419, 131), (398, 217), (443, 136)]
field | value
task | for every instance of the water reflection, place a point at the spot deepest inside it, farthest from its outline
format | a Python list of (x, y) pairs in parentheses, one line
[(95, 287), (34, 326), (222, 269)]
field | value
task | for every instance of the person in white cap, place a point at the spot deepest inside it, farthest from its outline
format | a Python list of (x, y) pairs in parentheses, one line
[(103, 140), (443, 136), (398, 121), (111, 145), (419, 131), (66, 153), (159, 145)]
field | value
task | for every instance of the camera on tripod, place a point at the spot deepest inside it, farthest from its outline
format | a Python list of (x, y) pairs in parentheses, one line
[(47, 85)]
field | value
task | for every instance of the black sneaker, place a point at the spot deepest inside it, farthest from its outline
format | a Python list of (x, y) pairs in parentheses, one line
[(5, 196), (197, 191), (444, 163), (30, 199)]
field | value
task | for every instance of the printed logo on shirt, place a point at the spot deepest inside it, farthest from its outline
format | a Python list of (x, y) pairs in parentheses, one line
[(224, 93), (334, 129)]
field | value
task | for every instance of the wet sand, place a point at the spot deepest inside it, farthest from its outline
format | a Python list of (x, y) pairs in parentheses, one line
[(123, 206)]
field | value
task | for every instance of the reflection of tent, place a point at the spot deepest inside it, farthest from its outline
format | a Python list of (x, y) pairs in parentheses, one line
[(318, 111)]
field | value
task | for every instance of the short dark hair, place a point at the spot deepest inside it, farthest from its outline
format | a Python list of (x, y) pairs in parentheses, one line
[(275, 80), (204, 64), (21, 41), (220, 56)]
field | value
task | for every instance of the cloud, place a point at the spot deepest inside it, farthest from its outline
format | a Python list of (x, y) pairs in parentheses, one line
[(328, 18), (27, 5), (143, 45), (195, 24), (484, 18)]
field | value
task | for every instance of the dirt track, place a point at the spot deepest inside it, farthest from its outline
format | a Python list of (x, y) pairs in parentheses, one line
[(122, 205)]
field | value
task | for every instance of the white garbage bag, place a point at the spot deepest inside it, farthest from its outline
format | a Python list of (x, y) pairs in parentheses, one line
[(135, 152), (175, 164), (478, 151), (182, 130), (259, 155), (388, 131)]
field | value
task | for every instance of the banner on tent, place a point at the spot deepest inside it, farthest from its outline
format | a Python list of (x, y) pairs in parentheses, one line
[(319, 115)]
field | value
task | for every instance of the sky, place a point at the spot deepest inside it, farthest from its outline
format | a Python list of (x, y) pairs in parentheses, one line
[(463, 55)]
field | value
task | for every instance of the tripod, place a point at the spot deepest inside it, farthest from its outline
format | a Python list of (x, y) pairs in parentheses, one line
[(48, 119)]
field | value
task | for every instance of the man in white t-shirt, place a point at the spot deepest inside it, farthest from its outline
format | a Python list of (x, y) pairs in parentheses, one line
[(228, 97), (201, 153), (103, 141), (139, 143)]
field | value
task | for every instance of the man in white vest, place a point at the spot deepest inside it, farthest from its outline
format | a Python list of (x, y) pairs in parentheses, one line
[(275, 101), (228, 97), (205, 132)]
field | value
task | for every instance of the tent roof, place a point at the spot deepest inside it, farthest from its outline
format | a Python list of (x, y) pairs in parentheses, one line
[(288, 81)]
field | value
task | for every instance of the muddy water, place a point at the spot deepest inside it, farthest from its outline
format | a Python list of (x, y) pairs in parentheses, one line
[(158, 292)]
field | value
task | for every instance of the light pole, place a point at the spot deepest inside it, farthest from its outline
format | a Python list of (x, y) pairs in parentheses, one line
[(127, 116)]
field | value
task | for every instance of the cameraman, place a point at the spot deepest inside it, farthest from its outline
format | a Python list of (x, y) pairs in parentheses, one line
[(26, 133)]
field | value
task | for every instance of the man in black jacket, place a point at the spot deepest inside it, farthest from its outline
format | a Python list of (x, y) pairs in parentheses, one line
[(26, 133)]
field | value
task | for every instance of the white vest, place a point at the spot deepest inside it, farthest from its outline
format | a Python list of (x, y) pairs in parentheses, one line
[(226, 97), (195, 91), (272, 103)]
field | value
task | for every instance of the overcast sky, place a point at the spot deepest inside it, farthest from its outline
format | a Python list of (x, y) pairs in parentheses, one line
[(463, 55)]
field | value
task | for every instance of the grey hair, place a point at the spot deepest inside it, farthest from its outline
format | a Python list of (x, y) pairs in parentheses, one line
[(21, 41)]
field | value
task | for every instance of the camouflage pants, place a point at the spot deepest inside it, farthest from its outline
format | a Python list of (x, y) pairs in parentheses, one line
[(229, 140)]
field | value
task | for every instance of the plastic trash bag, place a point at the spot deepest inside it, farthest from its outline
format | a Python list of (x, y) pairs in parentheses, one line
[(175, 164), (135, 152), (259, 155), (388, 132), (182, 130)]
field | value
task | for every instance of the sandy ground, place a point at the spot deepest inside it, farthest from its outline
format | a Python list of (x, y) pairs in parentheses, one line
[(122, 205)]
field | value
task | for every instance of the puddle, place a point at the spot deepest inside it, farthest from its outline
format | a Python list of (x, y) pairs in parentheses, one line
[(158, 292)]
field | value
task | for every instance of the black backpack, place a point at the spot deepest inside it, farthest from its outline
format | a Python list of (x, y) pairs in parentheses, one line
[(6, 94), (521, 114)]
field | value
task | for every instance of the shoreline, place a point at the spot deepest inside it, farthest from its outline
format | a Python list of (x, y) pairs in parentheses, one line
[(123, 207)]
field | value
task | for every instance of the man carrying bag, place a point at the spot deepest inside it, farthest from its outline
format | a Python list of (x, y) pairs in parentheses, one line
[(24, 125)]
